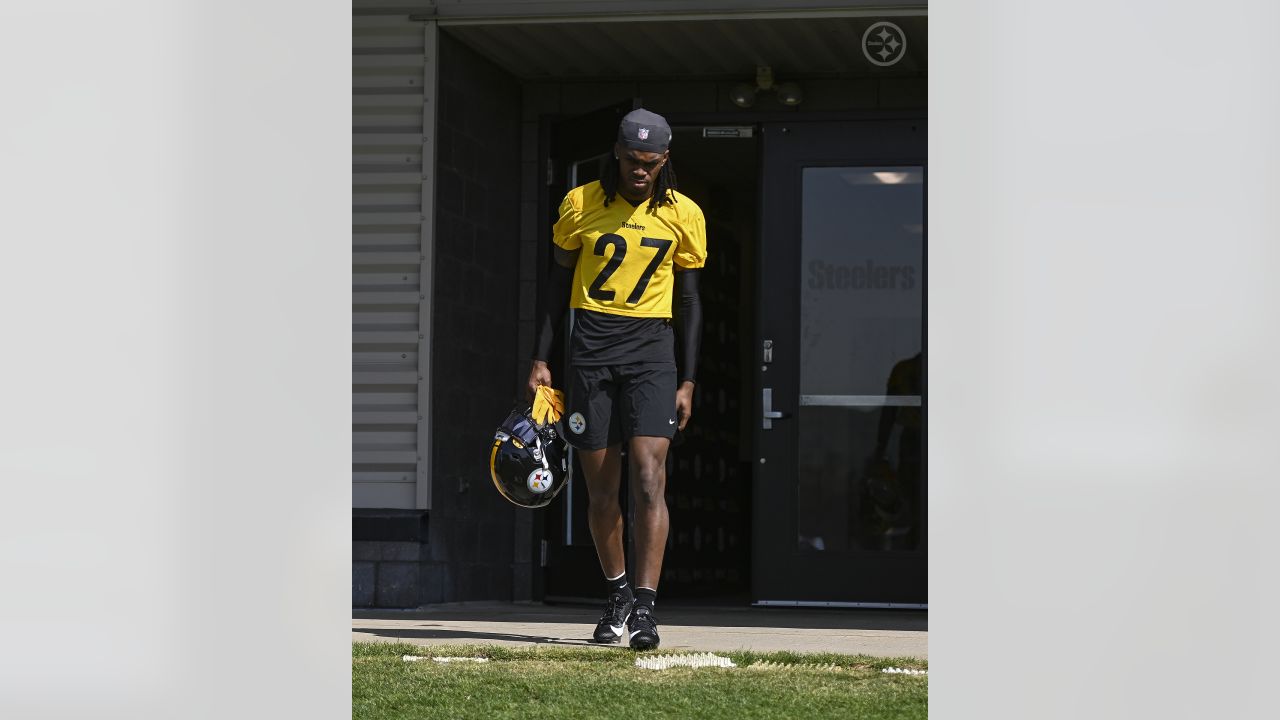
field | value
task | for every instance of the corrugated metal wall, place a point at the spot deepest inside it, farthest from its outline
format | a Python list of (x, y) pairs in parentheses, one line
[(387, 292)]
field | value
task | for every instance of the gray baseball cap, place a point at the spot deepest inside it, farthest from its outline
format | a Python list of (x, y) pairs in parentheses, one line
[(643, 130)]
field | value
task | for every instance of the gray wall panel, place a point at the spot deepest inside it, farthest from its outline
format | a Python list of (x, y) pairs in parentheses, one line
[(386, 287)]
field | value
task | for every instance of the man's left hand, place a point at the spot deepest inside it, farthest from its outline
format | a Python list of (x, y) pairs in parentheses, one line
[(684, 403)]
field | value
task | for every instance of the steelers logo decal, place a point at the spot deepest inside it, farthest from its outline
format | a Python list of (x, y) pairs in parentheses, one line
[(540, 480), (884, 44), (577, 423)]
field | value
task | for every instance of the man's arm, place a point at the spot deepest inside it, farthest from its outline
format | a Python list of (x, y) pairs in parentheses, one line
[(555, 301), (688, 326)]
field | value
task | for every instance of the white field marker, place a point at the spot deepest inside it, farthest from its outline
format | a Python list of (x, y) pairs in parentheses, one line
[(770, 665), (662, 662), (420, 658)]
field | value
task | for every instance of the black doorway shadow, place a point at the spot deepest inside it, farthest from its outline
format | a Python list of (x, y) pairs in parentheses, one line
[(409, 634), (904, 620)]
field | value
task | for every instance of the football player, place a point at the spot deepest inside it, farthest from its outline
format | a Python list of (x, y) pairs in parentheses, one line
[(628, 248)]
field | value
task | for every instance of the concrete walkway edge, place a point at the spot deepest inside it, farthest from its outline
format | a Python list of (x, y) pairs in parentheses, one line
[(880, 633)]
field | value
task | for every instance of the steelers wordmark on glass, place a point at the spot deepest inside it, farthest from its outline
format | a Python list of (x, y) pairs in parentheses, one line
[(577, 423), (540, 480)]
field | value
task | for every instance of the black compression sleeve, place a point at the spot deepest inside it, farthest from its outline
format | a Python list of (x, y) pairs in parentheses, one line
[(688, 322), (554, 302)]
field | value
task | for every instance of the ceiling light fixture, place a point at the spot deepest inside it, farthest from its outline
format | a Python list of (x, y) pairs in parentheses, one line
[(891, 178), (744, 94)]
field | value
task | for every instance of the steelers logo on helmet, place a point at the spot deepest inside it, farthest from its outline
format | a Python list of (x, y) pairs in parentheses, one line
[(528, 461), (540, 480), (577, 423)]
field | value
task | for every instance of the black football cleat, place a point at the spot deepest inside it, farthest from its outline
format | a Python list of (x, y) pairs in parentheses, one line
[(614, 619), (643, 627)]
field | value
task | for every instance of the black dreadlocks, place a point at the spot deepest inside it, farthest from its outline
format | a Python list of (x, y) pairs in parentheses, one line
[(666, 181)]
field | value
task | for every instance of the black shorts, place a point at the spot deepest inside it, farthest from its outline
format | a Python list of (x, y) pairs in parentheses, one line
[(612, 403)]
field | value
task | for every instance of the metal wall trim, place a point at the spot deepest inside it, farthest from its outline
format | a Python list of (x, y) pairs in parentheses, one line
[(489, 12), (686, 17), (430, 73)]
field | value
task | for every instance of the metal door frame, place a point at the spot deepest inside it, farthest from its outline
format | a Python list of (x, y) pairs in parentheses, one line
[(780, 218)]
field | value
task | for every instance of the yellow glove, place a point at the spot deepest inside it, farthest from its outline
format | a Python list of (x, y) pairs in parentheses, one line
[(548, 405)]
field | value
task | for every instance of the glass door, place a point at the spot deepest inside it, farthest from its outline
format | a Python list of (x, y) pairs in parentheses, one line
[(840, 495)]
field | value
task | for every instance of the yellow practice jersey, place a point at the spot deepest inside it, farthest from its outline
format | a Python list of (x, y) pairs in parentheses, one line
[(628, 253)]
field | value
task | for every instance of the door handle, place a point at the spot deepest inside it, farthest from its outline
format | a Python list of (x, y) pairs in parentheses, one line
[(769, 413)]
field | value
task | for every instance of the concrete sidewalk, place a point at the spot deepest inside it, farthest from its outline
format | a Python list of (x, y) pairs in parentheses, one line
[(882, 633)]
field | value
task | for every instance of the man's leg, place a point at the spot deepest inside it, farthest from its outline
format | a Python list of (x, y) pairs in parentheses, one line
[(592, 393), (647, 401), (595, 436), (648, 493), (603, 470), (649, 524)]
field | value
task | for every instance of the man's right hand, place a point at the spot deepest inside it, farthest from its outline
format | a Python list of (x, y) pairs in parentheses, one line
[(539, 374)]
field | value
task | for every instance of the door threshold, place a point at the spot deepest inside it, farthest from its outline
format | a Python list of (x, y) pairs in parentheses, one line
[(571, 600), (675, 603), (832, 604)]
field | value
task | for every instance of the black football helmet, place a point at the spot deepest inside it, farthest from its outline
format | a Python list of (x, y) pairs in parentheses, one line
[(529, 463)]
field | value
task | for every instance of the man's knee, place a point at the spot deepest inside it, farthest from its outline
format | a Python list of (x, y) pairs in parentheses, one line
[(650, 482), (603, 503)]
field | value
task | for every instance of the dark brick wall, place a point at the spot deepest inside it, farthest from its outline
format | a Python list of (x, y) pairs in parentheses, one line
[(385, 574), (386, 549), (470, 552)]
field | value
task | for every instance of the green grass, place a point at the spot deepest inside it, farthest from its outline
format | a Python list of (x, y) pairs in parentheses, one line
[(546, 682)]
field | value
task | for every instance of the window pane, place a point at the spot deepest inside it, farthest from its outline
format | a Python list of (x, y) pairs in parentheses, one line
[(861, 331)]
